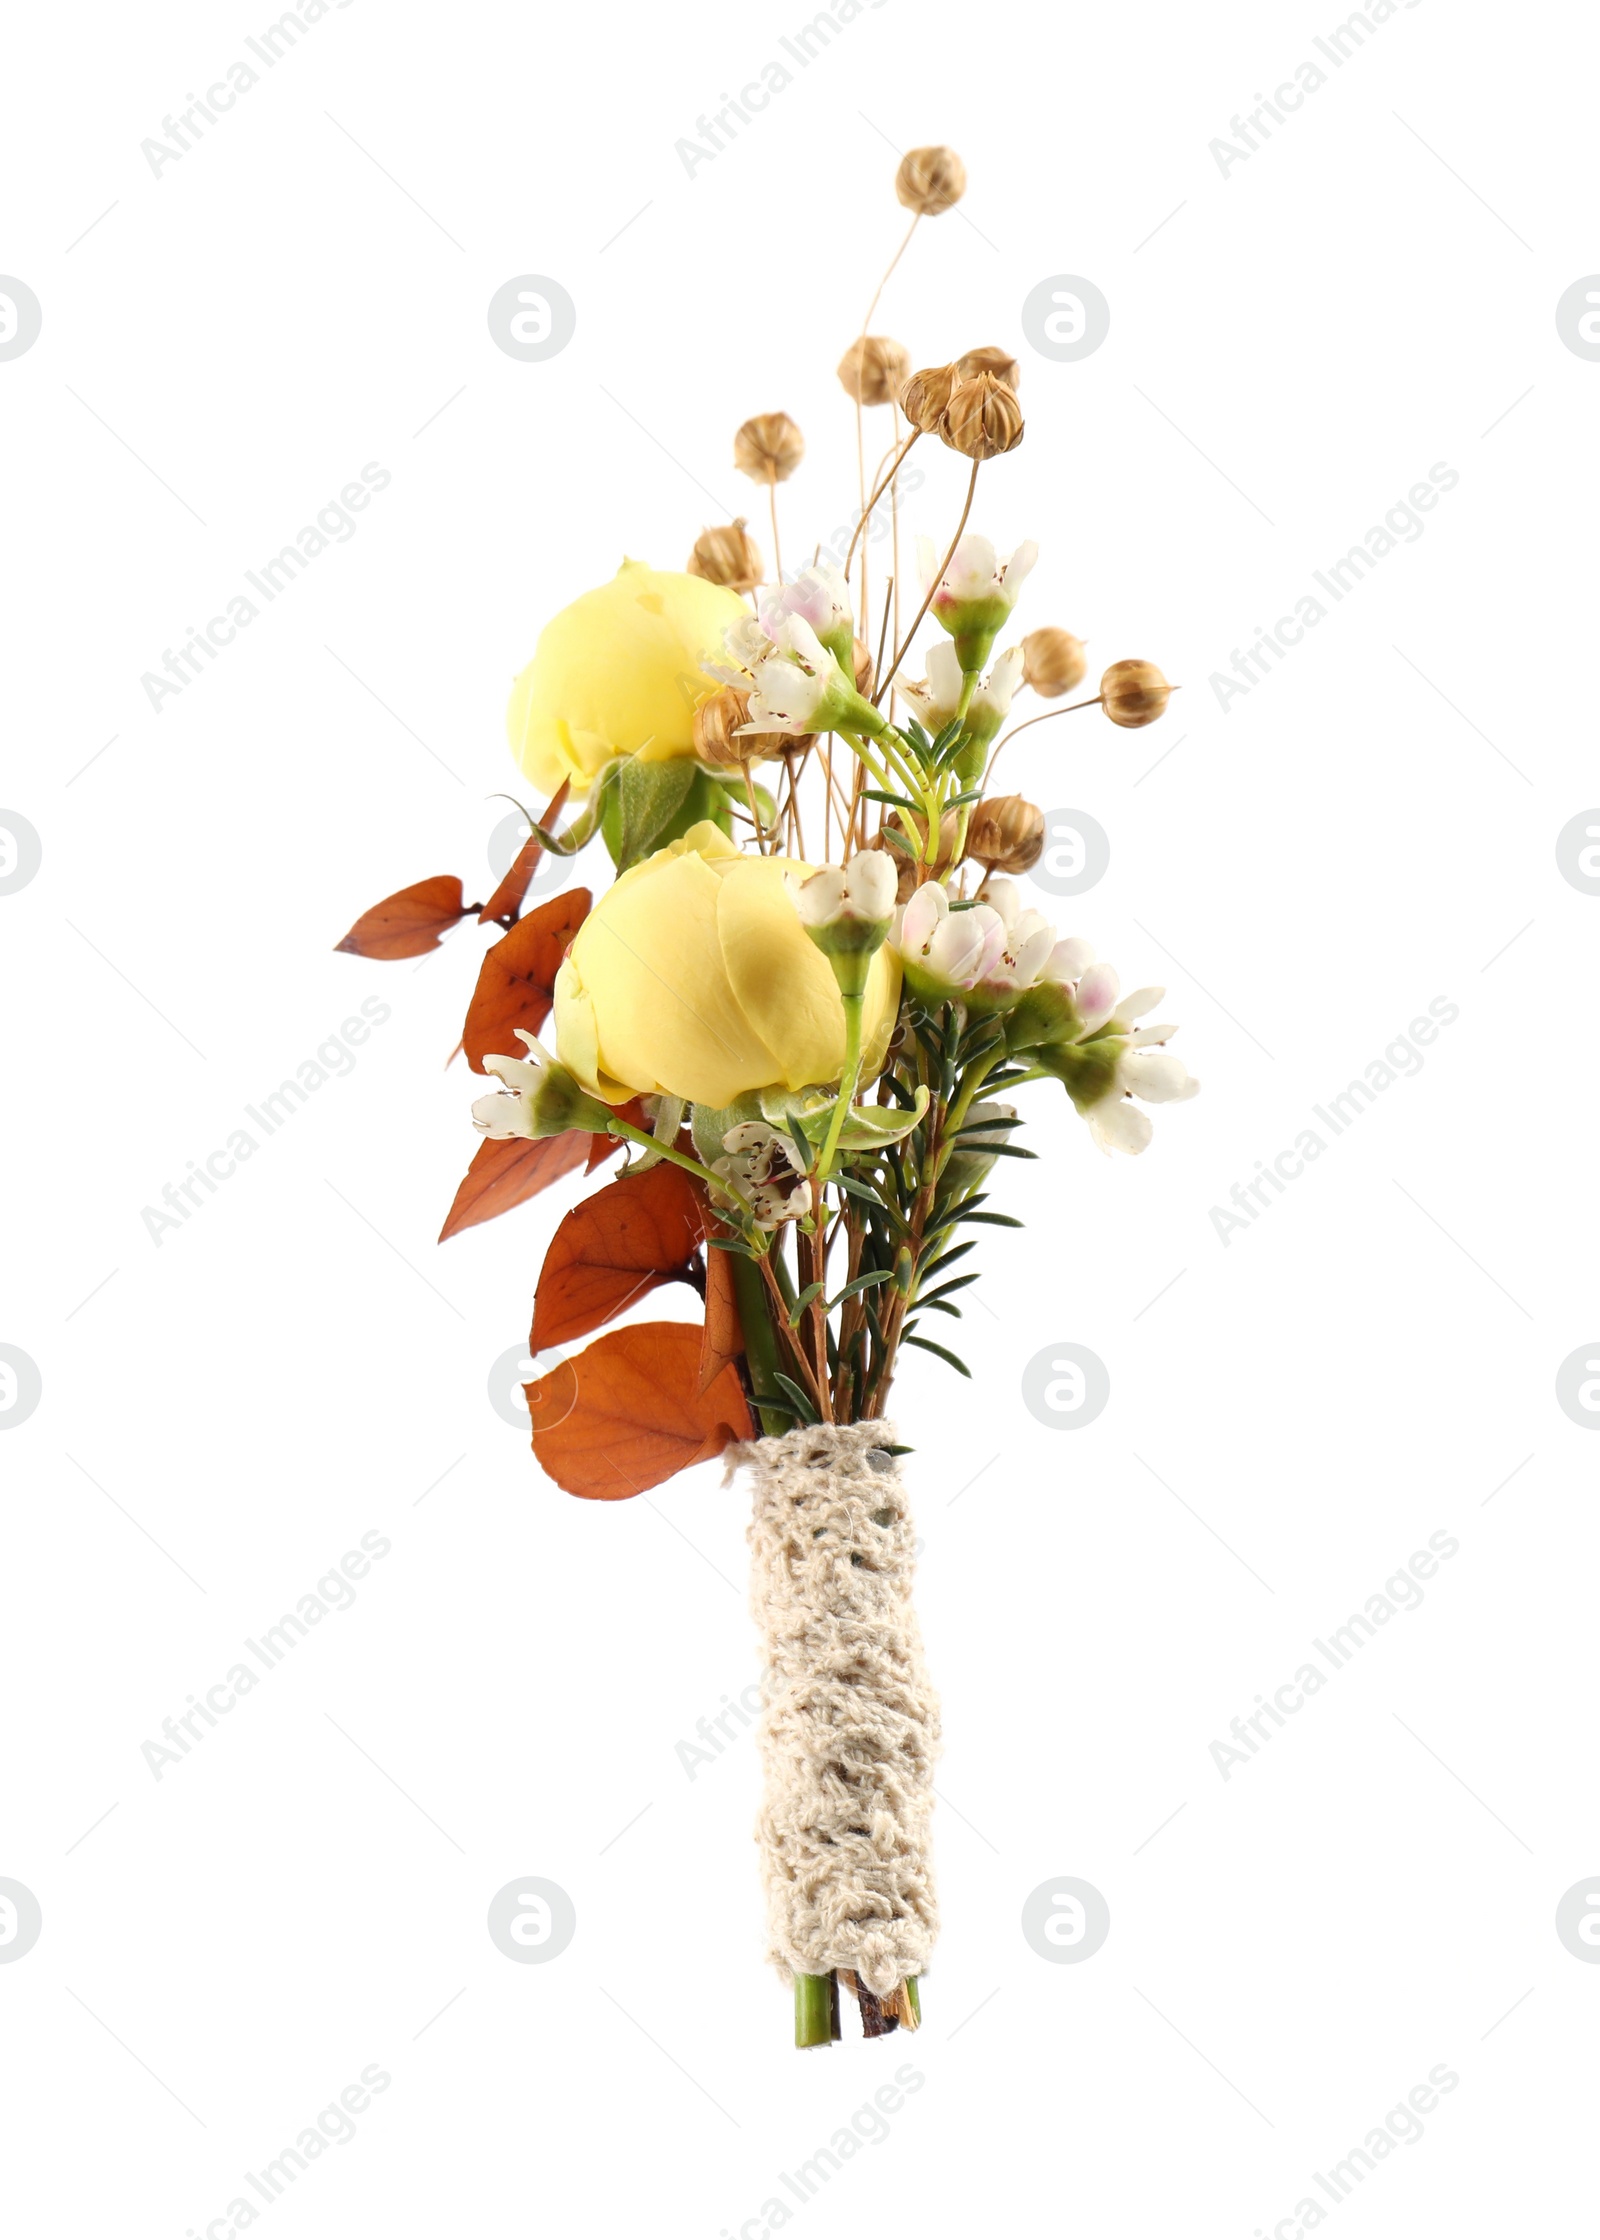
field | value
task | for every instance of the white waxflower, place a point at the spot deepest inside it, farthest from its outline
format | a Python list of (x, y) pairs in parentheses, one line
[(945, 952), (937, 696), (820, 596), (1030, 942), (860, 892), (975, 577), (540, 1097), (795, 684), (764, 1167)]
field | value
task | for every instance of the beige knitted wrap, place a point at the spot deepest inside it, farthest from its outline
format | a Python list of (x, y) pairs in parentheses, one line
[(851, 1727)]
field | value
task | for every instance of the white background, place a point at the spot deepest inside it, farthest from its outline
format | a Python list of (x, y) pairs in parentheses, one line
[(227, 1412)]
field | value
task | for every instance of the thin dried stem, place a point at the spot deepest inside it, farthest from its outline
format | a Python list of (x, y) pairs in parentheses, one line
[(772, 508), (1070, 709), (762, 841), (938, 577), (866, 511)]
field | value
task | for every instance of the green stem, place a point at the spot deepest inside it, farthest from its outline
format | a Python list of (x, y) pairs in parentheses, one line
[(813, 2010), (760, 1342), (847, 1083), (631, 1134)]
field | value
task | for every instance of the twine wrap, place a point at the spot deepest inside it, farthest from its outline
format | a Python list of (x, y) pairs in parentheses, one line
[(851, 1727)]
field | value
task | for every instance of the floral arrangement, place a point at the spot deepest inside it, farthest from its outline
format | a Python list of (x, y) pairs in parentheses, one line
[(801, 1008)]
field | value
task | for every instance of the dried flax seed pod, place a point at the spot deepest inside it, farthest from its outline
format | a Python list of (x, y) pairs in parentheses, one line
[(769, 447), (719, 740), (1134, 693), (874, 369), (728, 556), (991, 359), (982, 419), (1053, 661), (930, 180), (1006, 834), (925, 396)]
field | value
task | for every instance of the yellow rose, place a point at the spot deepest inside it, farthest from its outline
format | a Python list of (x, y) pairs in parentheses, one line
[(694, 976), (618, 672)]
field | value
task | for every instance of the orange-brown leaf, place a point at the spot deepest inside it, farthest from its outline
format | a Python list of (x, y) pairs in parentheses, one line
[(507, 898), (517, 977), (407, 924), (722, 1340), (639, 1231), (627, 1412), (506, 1170)]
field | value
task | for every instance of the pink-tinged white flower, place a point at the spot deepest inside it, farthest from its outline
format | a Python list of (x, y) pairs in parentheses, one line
[(1029, 945), (795, 684), (820, 596), (937, 697), (945, 952), (974, 597)]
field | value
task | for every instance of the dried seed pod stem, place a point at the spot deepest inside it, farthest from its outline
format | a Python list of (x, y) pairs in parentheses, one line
[(904, 647)]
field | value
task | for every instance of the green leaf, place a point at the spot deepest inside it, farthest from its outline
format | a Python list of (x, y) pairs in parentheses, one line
[(995, 1220), (769, 1402), (801, 1303), (956, 1283), (988, 1128), (853, 1188), (802, 1405), (871, 1127), (948, 1259), (955, 1361), (873, 1277), (897, 840)]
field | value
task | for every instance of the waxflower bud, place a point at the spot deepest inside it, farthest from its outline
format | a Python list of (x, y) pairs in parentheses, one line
[(905, 870), (930, 180), (1134, 693), (1053, 661), (727, 556), (769, 447), (846, 909), (1006, 834), (719, 736), (874, 369), (990, 359), (925, 396), (982, 419)]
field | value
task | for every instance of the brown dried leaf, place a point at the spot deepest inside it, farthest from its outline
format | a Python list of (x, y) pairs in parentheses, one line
[(517, 977), (722, 1341), (505, 1171), (409, 923), (627, 1412), (639, 1231)]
